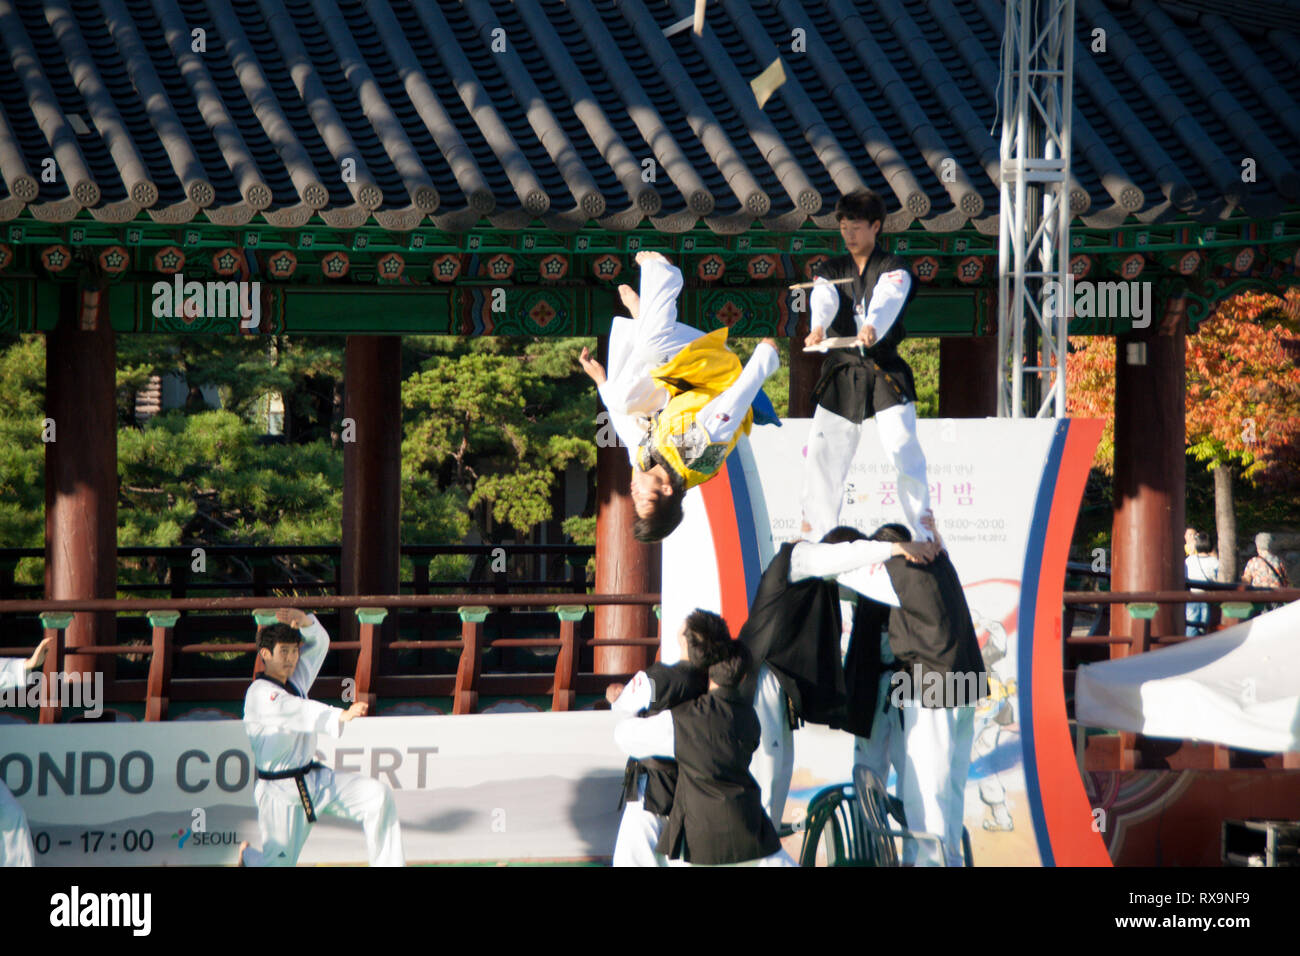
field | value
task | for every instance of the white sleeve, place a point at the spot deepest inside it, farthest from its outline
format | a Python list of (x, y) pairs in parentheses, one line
[(629, 430), (638, 694), (13, 672), (809, 560), (822, 304), (616, 396), (871, 580), (274, 707), (311, 656), (722, 416), (887, 300), (642, 737)]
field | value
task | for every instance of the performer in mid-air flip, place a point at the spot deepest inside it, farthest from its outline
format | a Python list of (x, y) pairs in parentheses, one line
[(282, 724), (15, 835), (869, 380), (677, 398)]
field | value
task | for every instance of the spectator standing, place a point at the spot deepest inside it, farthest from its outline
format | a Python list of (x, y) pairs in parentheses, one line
[(1201, 565)]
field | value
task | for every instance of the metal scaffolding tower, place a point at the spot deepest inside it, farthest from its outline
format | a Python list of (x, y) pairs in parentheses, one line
[(1034, 218)]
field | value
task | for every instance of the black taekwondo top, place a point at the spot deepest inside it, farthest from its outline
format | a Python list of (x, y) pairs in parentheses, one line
[(718, 815), (795, 630), (863, 667), (931, 633), (852, 384), (673, 684)]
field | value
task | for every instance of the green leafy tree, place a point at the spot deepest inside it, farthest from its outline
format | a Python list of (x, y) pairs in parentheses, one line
[(499, 424), (22, 466)]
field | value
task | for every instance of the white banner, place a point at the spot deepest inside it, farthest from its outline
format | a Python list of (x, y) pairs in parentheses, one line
[(984, 477), (483, 787)]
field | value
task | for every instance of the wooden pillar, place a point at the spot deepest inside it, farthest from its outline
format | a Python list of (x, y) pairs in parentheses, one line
[(805, 369), (624, 565), (372, 474), (1150, 467), (968, 377), (81, 471)]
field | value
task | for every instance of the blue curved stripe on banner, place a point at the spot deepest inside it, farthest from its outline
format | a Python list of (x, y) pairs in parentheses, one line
[(748, 531), (1029, 581)]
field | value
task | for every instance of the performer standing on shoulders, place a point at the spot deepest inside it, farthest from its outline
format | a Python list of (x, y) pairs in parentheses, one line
[(677, 398), (864, 382), (282, 725)]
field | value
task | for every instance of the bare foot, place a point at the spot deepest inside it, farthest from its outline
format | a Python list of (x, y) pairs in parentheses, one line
[(631, 301), (242, 847), (649, 255)]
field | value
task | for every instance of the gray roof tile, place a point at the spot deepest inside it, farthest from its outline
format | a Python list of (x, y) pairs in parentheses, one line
[(589, 114)]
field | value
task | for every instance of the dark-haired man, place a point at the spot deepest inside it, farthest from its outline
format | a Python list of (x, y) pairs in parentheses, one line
[(793, 633), (938, 680), (717, 817), (282, 724), (677, 398), (649, 784), (869, 381)]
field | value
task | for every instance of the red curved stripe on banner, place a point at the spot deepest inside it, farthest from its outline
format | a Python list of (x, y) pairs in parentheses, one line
[(1066, 809), (720, 508)]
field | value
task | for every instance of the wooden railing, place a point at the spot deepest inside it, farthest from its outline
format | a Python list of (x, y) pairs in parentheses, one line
[(370, 682), (1129, 751), (265, 568)]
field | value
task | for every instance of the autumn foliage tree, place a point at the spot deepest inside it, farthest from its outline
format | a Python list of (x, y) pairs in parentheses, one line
[(1242, 403)]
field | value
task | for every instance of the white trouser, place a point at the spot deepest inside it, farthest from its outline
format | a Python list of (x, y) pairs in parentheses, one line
[(772, 765), (638, 834), (884, 748), (350, 796), (15, 836), (932, 780), (832, 444), (638, 346)]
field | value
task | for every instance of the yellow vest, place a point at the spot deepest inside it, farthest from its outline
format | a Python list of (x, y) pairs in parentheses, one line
[(694, 377)]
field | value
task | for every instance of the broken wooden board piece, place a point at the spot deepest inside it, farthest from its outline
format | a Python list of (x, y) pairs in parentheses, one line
[(767, 82)]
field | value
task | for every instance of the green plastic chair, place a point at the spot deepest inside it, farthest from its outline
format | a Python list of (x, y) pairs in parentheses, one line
[(851, 825), (834, 823), (877, 807)]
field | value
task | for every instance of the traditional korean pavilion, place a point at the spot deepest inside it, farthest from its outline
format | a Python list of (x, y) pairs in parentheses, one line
[(391, 167)]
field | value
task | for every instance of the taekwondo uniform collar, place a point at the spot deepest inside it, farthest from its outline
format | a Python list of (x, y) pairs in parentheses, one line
[(287, 685)]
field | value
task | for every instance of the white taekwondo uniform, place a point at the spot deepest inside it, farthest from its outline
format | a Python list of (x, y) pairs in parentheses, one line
[(638, 828), (930, 750), (15, 836), (856, 564), (833, 439), (639, 346), (643, 737), (282, 725)]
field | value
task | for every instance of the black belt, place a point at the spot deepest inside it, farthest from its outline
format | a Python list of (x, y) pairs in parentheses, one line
[(632, 773), (298, 776)]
